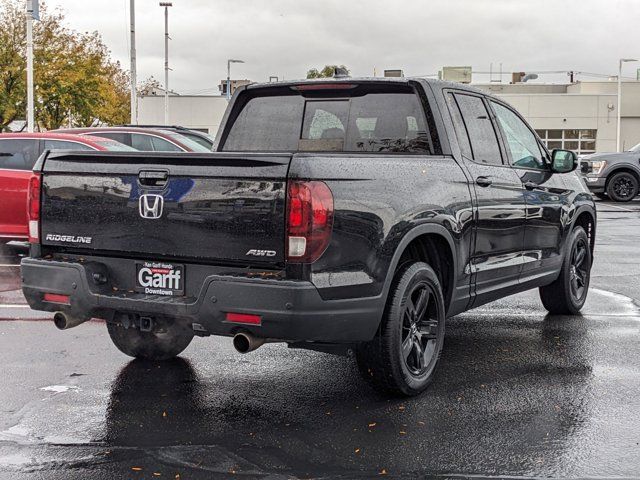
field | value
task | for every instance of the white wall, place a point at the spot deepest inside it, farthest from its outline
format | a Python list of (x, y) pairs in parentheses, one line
[(201, 112), (574, 111), (583, 105)]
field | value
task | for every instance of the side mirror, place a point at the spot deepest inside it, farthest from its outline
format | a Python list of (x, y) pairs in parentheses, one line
[(563, 161)]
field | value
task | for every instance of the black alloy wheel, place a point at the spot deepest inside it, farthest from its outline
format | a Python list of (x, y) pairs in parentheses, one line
[(622, 187), (578, 270), (403, 356), (420, 329), (568, 293)]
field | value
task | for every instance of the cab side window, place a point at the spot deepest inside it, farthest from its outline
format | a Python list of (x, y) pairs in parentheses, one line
[(521, 141), (18, 154), (482, 135)]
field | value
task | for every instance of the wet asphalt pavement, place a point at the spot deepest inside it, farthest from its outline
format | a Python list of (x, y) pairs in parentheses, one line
[(518, 394)]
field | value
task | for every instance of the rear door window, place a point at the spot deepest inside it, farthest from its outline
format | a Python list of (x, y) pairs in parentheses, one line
[(141, 142), (121, 137), (458, 125), (64, 145), (18, 154), (484, 141), (378, 121), (162, 145)]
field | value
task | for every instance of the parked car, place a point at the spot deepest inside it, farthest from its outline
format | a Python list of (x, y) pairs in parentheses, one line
[(614, 176), (145, 139), (202, 138), (353, 215), (18, 154)]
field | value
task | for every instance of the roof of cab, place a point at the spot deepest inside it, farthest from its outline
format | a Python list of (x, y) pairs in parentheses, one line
[(436, 84)]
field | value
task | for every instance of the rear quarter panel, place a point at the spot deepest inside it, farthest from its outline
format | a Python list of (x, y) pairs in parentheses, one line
[(378, 201)]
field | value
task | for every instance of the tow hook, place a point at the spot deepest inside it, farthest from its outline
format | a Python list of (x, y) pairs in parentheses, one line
[(146, 324)]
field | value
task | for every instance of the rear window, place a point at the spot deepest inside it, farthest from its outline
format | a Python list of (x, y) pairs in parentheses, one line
[(366, 121), (18, 154)]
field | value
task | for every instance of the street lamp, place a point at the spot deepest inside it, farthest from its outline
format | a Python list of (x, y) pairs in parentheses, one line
[(229, 62), (622, 60), (166, 6)]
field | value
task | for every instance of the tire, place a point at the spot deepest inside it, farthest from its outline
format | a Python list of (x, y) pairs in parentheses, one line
[(601, 196), (567, 295), (622, 187), (404, 354), (150, 345)]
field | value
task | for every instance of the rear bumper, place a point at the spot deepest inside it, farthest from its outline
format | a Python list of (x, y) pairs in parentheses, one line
[(290, 310)]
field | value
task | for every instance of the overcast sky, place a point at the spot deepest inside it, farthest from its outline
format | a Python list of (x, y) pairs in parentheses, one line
[(285, 38)]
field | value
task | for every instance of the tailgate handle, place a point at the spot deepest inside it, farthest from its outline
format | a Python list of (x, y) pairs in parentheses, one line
[(153, 178)]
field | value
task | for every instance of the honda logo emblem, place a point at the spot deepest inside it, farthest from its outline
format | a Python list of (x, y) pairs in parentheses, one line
[(151, 206)]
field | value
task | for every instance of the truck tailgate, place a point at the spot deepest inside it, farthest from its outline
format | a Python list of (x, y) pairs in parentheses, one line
[(216, 206)]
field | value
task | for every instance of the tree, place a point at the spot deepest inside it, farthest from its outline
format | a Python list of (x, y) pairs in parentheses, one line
[(12, 65), (150, 86), (76, 81), (327, 72)]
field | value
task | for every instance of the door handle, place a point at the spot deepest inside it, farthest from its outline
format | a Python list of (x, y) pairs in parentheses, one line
[(483, 181), (153, 178), (531, 185)]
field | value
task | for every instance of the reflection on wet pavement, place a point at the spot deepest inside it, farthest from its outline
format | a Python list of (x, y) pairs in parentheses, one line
[(518, 393)]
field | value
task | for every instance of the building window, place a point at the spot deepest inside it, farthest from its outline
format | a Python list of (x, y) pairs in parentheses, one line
[(580, 141)]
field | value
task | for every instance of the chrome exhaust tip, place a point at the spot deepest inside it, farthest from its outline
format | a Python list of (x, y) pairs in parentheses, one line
[(245, 342), (62, 321)]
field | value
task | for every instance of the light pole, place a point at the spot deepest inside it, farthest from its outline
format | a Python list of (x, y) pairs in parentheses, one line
[(33, 12), (622, 60), (229, 62), (166, 6), (134, 81)]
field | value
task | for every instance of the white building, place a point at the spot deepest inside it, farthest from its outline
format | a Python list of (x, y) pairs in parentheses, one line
[(579, 116), (200, 112)]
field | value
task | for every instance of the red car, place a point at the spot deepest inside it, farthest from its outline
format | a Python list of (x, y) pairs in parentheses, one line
[(145, 139), (18, 154)]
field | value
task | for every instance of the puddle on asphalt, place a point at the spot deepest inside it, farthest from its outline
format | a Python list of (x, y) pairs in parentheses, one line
[(61, 388)]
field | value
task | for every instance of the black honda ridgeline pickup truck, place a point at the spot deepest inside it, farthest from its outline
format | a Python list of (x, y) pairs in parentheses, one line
[(337, 215)]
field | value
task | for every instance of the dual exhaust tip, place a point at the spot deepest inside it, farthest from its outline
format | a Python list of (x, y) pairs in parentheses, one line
[(242, 342)]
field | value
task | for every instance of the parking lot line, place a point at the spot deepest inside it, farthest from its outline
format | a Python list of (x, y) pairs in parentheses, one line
[(621, 208), (15, 306), (10, 265)]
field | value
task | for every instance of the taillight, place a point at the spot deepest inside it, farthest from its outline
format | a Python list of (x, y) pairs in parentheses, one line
[(309, 220), (33, 208)]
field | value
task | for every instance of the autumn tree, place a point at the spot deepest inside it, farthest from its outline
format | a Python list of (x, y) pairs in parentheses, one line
[(76, 81), (327, 72)]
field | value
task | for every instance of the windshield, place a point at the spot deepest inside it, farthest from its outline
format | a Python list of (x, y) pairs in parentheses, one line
[(187, 142)]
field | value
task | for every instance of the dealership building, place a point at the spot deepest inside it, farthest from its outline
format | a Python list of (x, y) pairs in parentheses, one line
[(579, 116)]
